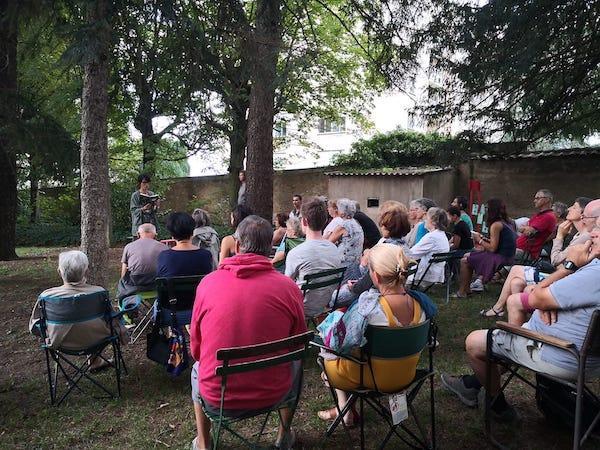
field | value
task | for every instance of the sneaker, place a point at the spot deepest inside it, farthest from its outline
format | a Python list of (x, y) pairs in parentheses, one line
[(455, 385), (477, 285), (508, 415)]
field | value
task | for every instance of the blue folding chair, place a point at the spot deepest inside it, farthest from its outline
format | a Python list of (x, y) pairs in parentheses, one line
[(76, 311)]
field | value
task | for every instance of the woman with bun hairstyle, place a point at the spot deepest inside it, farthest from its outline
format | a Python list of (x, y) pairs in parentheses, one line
[(388, 304)]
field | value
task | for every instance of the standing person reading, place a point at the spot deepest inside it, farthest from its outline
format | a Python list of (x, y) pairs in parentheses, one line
[(143, 205)]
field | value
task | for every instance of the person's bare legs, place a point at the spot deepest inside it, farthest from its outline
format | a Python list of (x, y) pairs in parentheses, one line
[(516, 314), (285, 416), (515, 283), (476, 352), (466, 273), (202, 428)]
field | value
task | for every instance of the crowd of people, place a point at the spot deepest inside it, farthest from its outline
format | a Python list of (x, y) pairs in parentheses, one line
[(252, 279)]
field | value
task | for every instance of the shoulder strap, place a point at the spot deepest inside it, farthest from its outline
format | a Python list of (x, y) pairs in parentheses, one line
[(387, 310), (417, 312)]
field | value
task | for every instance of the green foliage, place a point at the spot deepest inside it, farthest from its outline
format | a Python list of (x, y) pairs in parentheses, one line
[(48, 234), (400, 148), (523, 70)]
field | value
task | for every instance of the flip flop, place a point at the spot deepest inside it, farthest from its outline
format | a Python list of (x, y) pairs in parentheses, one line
[(332, 413), (495, 314)]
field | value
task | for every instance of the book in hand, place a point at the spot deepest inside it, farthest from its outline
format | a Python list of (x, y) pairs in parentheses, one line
[(146, 199)]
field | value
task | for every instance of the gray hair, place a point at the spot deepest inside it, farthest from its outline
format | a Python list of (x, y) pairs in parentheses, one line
[(254, 234), (546, 193), (147, 228), (346, 207), (72, 266), (201, 218), (422, 203), (560, 209), (438, 217), (295, 224)]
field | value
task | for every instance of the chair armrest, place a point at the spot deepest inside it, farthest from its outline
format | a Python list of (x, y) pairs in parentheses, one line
[(336, 353), (543, 338), (130, 307)]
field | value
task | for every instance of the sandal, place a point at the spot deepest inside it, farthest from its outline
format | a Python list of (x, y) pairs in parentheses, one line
[(99, 367), (332, 413), (491, 313), (459, 295)]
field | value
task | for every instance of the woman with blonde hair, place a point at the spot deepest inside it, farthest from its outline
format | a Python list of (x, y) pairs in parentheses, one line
[(388, 304)]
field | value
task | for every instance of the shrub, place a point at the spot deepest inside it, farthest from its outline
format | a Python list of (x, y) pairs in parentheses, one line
[(48, 235)]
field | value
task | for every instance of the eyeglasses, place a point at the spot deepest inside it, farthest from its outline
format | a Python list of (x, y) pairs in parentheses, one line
[(583, 216), (539, 198)]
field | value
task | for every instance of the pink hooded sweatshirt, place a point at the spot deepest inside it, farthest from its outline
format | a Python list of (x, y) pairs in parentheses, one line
[(244, 302)]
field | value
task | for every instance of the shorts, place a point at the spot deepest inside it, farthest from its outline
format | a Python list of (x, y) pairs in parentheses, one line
[(533, 275), (234, 413), (526, 352)]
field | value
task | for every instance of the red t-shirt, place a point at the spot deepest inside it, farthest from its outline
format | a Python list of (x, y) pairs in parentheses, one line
[(545, 223), (244, 302)]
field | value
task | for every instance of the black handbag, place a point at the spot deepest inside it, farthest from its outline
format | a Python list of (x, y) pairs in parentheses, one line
[(157, 346)]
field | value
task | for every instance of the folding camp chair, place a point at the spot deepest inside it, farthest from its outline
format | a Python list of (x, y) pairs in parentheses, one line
[(447, 259), (590, 348), (257, 357), (320, 280), (75, 311), (391, 343), (146, 301)]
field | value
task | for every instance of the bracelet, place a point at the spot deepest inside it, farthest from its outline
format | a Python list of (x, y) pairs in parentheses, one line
[(525, 301)]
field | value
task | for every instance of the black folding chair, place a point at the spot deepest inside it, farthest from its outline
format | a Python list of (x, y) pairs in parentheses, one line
[(447, 259), (590, 348), (73, 364), (320, 280), (390, 343), (257, 357)]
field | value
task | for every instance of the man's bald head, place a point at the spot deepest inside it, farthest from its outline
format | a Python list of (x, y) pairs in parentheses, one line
[(592, 209)]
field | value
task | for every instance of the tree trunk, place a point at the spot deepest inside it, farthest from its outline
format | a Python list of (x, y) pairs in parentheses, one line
[(95, 192), (34, 189), (143, 123), (266, 45), (8, 113), (237, 144)]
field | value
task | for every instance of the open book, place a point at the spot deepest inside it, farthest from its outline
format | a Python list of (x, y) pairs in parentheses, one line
[(145, 199)]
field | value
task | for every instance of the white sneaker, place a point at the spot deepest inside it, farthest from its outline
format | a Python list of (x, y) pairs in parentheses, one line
[(477, 286)]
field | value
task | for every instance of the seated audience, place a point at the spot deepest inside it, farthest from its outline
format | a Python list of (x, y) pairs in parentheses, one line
[(244, 302), (335, 221), (315, 255), (560, 211), (539, 227), (581, 217), (370, 230), (239, 213), (73, 267), (349, 237), (139, 261), (461, 241), (417, 211), (389, 305), (280, 228), (462, 203), (435, 241), (205, 236), (293, 237), (562, 307), (394, 225), (184, 259), (498, 250)]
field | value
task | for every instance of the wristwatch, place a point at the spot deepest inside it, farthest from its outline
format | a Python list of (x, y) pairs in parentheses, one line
[(570, 265)]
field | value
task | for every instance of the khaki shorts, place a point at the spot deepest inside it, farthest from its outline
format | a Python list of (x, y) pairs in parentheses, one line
[(527, 353)]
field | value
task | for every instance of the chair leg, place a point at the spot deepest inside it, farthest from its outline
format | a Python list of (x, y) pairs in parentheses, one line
[(117, 364), (432, 408), (578, 408), (51, 381), (362, 424)]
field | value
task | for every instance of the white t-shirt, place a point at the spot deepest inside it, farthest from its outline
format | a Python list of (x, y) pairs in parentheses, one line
[(433, 242), (331, 226)]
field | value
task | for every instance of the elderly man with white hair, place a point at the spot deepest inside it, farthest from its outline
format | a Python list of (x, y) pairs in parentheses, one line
[(139, 262), (73, 267)]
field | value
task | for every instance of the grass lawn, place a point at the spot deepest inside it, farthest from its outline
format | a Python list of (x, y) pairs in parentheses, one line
[(155, 411)]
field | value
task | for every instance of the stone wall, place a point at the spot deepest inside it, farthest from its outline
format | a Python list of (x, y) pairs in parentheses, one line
[(517, 180)]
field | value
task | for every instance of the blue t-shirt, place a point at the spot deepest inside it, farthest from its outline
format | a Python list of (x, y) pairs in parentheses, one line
[(421, 231), (181, 263), (578, 296)]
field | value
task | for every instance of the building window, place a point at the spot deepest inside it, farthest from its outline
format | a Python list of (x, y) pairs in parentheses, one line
[(332, 126), (280, 130), (372, 202)]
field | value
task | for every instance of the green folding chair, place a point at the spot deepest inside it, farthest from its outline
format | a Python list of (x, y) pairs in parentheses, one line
[(320, 280), (147, 299), (391, 343), (257, 357)]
